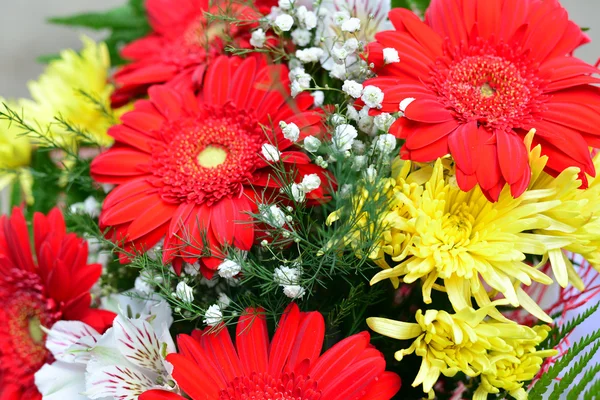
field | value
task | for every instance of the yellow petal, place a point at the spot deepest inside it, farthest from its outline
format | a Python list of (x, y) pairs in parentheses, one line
[(394, 329)]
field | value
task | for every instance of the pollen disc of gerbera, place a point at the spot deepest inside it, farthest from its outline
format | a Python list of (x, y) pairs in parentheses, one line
[(27, 313), (265, 387), (208, 156), (494, 86)]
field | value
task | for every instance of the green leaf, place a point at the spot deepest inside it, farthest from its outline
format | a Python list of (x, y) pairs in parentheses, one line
[(592, 393), (559, 333), (542, 385), (415, 5), (590, 374), (570, 376), (47, 58)]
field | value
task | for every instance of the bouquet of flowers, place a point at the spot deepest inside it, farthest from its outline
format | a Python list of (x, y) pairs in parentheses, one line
[(304, 200)]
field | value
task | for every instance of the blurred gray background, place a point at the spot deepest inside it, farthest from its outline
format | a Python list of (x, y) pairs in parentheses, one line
[(24, 34)]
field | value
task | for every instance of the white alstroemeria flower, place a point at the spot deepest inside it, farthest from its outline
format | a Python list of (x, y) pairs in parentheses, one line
[(70, 342), (129, 359)]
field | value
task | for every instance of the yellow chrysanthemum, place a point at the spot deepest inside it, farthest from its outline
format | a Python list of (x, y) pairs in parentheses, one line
[(63, 91), (511, 369), (433, 230), (15, 157), (575, 221), (464, 342)]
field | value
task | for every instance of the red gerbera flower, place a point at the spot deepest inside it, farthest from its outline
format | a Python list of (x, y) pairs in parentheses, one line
[(189, 169), (182, 44), (209, 367), (482, 74), (39, 291)]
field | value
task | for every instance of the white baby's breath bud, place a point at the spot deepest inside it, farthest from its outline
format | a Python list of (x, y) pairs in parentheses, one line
[(372, 96), (310, 182), (311, 144), (258, 38), (284, 22), (340, 17), (371, 173), (297, 192), (318, 97), (294, 291), (301, 37), (405, 103), (288, 218), (213, 315), (228, 268), (384, 121), (390, 55), (343, 137), (290, 131), (272, 215), (352, 88), (312, 54), (270, 152), (264, 243), (352, 25), (385, 144), (351, 45), (184, 293)]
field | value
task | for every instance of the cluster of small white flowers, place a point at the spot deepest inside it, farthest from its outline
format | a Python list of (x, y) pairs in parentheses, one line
[(184, 292), (300, 80), (309, 183), (228, 269), (289, 278), (311, 144), (290, 131), (343, 137), (270, 152), (90, 206), (272, 215), (213, 315)]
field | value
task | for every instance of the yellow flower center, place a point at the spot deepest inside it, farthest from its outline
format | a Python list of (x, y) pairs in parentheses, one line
[(457, 227), (212, 156)]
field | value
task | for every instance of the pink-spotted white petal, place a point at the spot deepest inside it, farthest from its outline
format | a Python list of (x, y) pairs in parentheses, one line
[(71, 341)]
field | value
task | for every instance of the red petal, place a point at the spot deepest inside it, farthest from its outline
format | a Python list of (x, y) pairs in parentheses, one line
[(423, 34), (166, 100), (156, 394), (465, 144), (151, 218), (192, 378), (311, 333), (354, 379), (384, 388), (488, 18), (284, 339), (217, 82), (512, 156), (425, 134), (446, 18), (252, 341), (219, 345), (426, 110)]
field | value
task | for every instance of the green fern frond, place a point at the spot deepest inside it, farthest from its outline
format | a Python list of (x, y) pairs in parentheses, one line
[(592, 393), (570, 376), (559, 333), (588, 377), (545, 381)]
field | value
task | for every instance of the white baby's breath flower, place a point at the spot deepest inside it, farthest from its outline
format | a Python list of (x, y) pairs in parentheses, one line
[(258, 38), (372, 96), (285, 4), (90, 206), (405, 103), (352, 88), (310, 182), (223, 301), (359, 147), (213, 315), (312, 54), (352, 113), (272, 215), (385, 144), (310, 20), (287, 275), (338, 71), (390, 55), (301, 37), (384, 121), (318, 97), (371, 173), (311, 144), (343, 137), (228, 268), (339, 53), (284, 22), (290, 131), (294, 291), (340, 17), (184, 292), (359, 162), (351, 45), (297, 193), (352, 25), (270, 152)]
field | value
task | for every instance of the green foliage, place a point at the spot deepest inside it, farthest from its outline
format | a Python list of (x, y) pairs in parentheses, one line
[(590, 374), (125, 23), (564, 366), (560, 332), (415, 5)]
